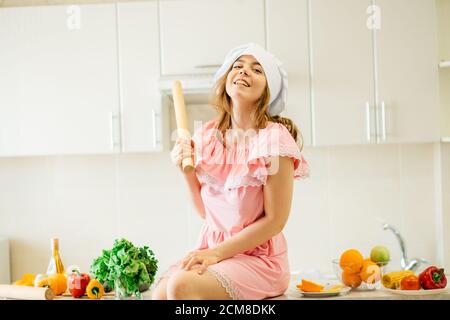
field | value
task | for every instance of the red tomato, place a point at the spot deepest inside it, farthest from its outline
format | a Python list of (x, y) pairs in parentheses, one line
[(410, 283)]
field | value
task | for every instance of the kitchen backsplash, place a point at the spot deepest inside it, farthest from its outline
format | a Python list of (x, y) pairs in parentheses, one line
[(88, 201)]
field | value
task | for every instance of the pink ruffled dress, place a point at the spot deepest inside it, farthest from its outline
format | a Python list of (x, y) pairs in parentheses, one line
[(232, 180)]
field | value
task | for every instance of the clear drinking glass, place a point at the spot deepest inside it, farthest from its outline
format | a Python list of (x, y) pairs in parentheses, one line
[(122, 292)]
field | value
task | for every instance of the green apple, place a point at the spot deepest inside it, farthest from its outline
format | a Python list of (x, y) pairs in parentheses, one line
[(380, 255)]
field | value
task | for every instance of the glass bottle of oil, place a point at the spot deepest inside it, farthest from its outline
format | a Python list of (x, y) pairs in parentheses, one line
[(55, 265)]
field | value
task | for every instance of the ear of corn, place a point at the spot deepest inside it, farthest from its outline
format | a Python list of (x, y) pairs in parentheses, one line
[(392, 280)]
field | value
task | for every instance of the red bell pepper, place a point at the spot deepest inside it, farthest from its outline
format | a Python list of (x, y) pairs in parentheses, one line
[(433, 278), (77, 283)]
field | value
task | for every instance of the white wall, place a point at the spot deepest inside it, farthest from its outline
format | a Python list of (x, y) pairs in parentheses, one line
[(445, 183), (352, 191), (88, 201)]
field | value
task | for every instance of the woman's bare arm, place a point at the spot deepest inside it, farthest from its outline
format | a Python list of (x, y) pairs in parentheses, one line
[(184, 148), (194, 188)]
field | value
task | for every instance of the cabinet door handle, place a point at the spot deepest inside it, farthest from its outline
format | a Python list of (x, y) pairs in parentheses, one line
[(383, 121), (204, 66), (156, 141), (368, 121)]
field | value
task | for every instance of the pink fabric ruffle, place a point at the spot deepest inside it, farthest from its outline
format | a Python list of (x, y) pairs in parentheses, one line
[(246, 163)]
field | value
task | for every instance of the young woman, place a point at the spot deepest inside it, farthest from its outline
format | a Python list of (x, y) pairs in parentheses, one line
[(245, 163)]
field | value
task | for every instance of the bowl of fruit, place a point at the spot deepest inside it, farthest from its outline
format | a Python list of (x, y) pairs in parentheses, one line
[(360, 273)]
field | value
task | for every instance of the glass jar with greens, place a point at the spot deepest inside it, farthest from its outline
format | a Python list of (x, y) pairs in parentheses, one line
[(122, 290), (127, 269)]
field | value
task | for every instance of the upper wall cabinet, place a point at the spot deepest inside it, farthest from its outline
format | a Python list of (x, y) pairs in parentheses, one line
[(343, 73), (407, 49), (375, 75), (287, 39), (197, 34), (443, 11), (58, 80), (139, 73)]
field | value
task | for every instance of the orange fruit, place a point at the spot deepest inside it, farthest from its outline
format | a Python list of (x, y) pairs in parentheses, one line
[(351, 261), (370, 272), (351, 279), (309, 286)]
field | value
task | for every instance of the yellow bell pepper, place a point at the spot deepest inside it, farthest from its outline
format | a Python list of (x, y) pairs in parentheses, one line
[(20, 282), (95, 290), (27, 280)]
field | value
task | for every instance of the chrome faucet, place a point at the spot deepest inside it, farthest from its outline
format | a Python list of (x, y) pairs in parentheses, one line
[(406, 264)]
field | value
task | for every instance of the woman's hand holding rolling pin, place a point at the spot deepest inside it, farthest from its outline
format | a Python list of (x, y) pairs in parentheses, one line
[(184, 148)]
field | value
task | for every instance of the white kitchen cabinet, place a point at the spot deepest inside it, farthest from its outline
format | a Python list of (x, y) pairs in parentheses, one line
[(443, 10), (197, 34), (342, 73), (139, 73), (374, 85), (58, 80), (5, 269), (287, 39), (408, 74)]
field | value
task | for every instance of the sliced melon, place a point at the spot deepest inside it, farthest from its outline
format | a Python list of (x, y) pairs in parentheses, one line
[(309, 286)]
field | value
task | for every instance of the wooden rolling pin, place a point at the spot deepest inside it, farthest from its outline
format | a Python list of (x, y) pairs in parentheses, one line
[(25, 292), (182, 123)]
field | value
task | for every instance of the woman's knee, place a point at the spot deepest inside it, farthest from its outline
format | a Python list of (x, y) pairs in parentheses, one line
[(160, 291), (181, 286)]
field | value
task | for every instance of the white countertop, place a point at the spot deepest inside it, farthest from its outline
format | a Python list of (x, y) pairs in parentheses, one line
[(379, 294)]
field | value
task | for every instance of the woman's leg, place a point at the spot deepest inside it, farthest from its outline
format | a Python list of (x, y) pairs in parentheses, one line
[(189, 285), (160, 291)]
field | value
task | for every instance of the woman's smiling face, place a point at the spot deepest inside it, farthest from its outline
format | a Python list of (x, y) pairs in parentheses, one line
[(246, 80)]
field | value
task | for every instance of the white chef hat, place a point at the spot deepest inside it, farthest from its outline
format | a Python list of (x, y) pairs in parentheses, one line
[(275, 74)]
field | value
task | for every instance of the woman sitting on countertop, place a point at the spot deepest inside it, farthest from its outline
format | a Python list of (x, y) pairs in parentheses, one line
[(245, 163)]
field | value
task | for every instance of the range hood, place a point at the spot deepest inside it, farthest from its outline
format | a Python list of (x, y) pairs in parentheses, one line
[(192, 84), (197, 91)]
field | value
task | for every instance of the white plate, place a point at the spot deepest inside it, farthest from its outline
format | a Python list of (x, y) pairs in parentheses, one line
[(298, 292), (421, 292)]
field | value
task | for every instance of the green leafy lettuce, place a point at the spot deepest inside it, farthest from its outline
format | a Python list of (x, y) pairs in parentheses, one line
[(133, 268)]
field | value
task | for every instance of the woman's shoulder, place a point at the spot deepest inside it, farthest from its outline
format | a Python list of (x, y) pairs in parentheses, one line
[(276, 141), (276, 132)]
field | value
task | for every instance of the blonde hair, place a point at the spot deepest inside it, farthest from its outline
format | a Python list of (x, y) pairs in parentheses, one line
[(222, 102)]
